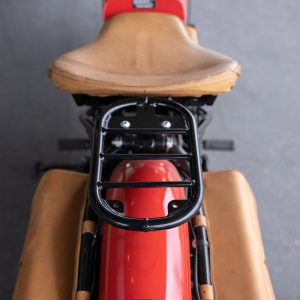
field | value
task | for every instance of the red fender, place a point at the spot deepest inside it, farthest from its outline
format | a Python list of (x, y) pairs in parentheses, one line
[(174, 7), (145, 265)]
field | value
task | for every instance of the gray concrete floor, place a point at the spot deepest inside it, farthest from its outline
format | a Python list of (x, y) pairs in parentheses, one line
[(261, 114)]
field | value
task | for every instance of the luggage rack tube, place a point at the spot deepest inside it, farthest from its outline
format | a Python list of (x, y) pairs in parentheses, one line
[(145, 121)]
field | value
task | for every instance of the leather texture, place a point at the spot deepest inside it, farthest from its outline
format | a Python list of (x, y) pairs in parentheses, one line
[(144, 54), (237, 252), (50, 253), (48, 263)]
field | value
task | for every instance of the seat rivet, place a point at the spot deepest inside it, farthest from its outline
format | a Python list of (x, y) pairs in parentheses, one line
[(166, 124), (125, 124)]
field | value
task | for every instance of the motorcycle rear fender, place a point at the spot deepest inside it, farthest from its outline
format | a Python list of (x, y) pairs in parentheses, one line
[(174, 7), (139, 265)]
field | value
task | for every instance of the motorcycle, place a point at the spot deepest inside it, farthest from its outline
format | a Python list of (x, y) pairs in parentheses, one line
[(144, 218)]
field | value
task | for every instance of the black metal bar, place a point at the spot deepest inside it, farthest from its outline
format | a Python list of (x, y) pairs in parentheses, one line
[(203, 255), (203, 249), (145, 130), (87, 257), (96, 268), (150, 184), (148, 156), (142, 123), (195, 264), (85, 262)]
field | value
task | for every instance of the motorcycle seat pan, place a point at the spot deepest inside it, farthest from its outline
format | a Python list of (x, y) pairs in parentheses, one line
[(144, 54), (49, 263)]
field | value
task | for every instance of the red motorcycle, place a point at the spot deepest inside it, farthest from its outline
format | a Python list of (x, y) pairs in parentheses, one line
[(144, 218)]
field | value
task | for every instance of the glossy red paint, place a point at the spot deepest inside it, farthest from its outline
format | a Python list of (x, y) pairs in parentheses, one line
[(139, 265), (174, 7)]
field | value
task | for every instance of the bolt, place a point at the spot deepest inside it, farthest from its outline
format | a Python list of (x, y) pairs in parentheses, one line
[(125, 124), (166, 124)]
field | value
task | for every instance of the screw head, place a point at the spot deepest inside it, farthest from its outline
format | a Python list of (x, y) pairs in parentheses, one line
[(166, 124), (125, 124)]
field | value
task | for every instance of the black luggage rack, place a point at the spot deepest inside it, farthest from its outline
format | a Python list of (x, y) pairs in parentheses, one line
[(154, 120)]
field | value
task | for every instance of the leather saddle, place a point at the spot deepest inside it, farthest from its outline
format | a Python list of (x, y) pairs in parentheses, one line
[(144, 54)]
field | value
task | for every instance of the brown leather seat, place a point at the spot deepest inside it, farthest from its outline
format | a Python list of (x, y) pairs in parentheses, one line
[(144, 54)]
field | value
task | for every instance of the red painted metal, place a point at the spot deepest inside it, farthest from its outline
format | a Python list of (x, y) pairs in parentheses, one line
[(174, 7), (145, 265)]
